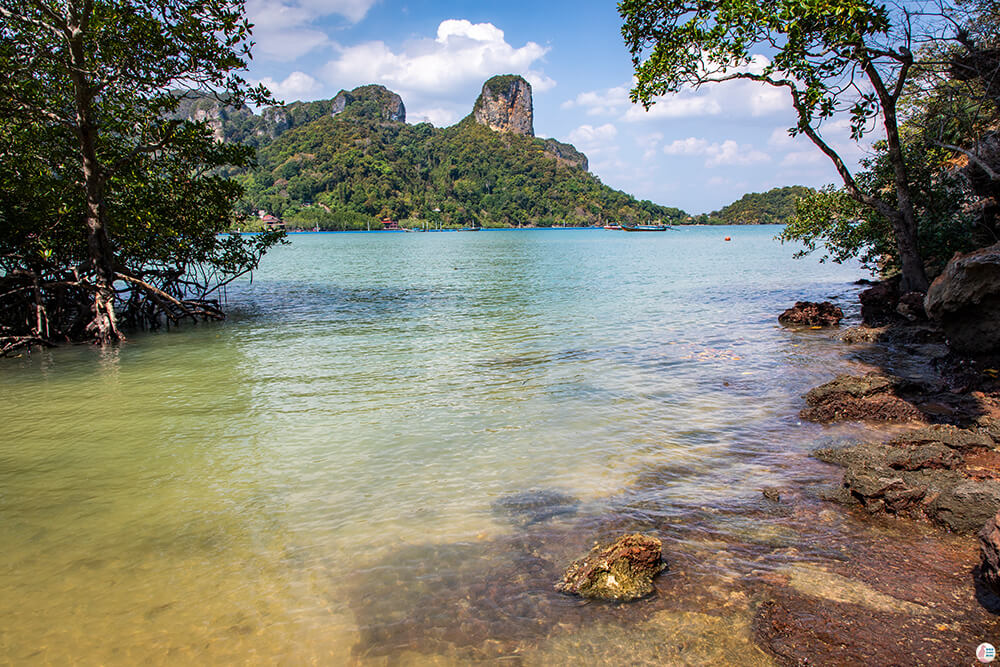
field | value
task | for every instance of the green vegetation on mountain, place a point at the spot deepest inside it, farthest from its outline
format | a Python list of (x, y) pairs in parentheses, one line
[(774, 207), (345, 170)]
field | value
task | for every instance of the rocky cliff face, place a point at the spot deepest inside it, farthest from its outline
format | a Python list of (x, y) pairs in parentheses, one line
[(566, 154), (370, 102), (505, 105)]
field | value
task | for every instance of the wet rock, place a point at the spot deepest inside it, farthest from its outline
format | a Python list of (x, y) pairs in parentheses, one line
[(535, 506), (878, 303), (870, 397), (863, 334), (947, 435), (989, 550), (965, 299), (622, 570), (772, 494), (965, 507), (934, 455), (809, 313)]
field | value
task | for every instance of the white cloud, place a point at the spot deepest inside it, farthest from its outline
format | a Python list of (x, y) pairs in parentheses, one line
[(296, 86), (605, 102), (282, 29), (436, 116), (727, 153), (462, 52), (588, 135)]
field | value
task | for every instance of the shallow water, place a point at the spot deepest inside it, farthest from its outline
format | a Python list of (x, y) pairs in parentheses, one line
[(321, 477)]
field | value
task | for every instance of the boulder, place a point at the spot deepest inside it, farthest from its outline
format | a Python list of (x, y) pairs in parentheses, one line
[(622, 570), (989, 550), (911, 306), (878, 303), (809, 313), (965, 300)]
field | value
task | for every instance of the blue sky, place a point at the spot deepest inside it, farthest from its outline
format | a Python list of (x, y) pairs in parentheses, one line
[(698, 150)]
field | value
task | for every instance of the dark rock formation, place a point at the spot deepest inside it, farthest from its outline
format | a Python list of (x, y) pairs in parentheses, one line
[(808, 313), (878, 303), (911, 306), (965, 299), (505, 105), (370, 102), (989, 549), (869, 397), (622, 570), (929, 473), (535, 506)]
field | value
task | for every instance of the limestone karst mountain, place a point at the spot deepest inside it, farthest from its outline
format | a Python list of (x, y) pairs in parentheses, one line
[(339, 163)]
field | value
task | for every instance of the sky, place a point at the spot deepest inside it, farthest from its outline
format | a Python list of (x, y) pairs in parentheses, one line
[(697, 150)]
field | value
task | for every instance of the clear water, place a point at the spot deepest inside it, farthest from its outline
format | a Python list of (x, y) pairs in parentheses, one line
[(317, 479)]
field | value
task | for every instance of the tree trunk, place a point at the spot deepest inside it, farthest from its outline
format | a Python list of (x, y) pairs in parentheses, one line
[(104, 325), (904, 223)]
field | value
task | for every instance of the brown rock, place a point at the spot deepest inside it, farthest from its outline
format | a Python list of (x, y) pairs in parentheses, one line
[(965, 299), (622, 570), (989, 549), (808, 313), (505, 105)]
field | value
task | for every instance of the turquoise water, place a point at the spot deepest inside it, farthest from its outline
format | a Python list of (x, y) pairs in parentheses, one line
[(320, 478)]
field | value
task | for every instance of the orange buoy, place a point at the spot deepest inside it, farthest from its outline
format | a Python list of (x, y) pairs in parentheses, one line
[(729, 238)]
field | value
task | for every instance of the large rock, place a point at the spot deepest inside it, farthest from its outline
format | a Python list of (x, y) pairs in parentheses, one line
[(989, 549), (370, 102), (965, 299), (809, 313), (871, 397), (505, 105), (622, 570), (878, 303)]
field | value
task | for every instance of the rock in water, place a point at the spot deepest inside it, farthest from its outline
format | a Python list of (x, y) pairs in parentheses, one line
[(505, 105), (808, 313), (965, 299), (535, 506), (622, 570), (989, 549)]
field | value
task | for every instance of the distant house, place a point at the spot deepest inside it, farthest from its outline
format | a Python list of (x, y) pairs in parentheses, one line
[(271, 221), (390, 224)]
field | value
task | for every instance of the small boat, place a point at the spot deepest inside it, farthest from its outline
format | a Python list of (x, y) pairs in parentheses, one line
[(469, 229), (612, 226), (646, 228)]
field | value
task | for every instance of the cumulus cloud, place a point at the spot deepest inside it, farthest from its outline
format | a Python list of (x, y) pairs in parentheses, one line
[(590, 135), (440, 77), (600, 102), (283, 29), (296, 86), (462, 52), (726, 153), (729, 98)]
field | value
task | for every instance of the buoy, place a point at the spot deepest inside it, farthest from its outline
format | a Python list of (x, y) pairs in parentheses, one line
[(729, 238)]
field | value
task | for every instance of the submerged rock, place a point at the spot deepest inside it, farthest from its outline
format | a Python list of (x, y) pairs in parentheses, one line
[(965, 299), (622, 570), (535, 506), (809, 313)]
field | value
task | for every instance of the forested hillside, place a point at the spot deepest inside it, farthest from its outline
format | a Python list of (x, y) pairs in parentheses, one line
[(774, 207), (342, 163)]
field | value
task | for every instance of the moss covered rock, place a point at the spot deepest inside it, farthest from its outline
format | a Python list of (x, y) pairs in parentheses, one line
[(622, 570)]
